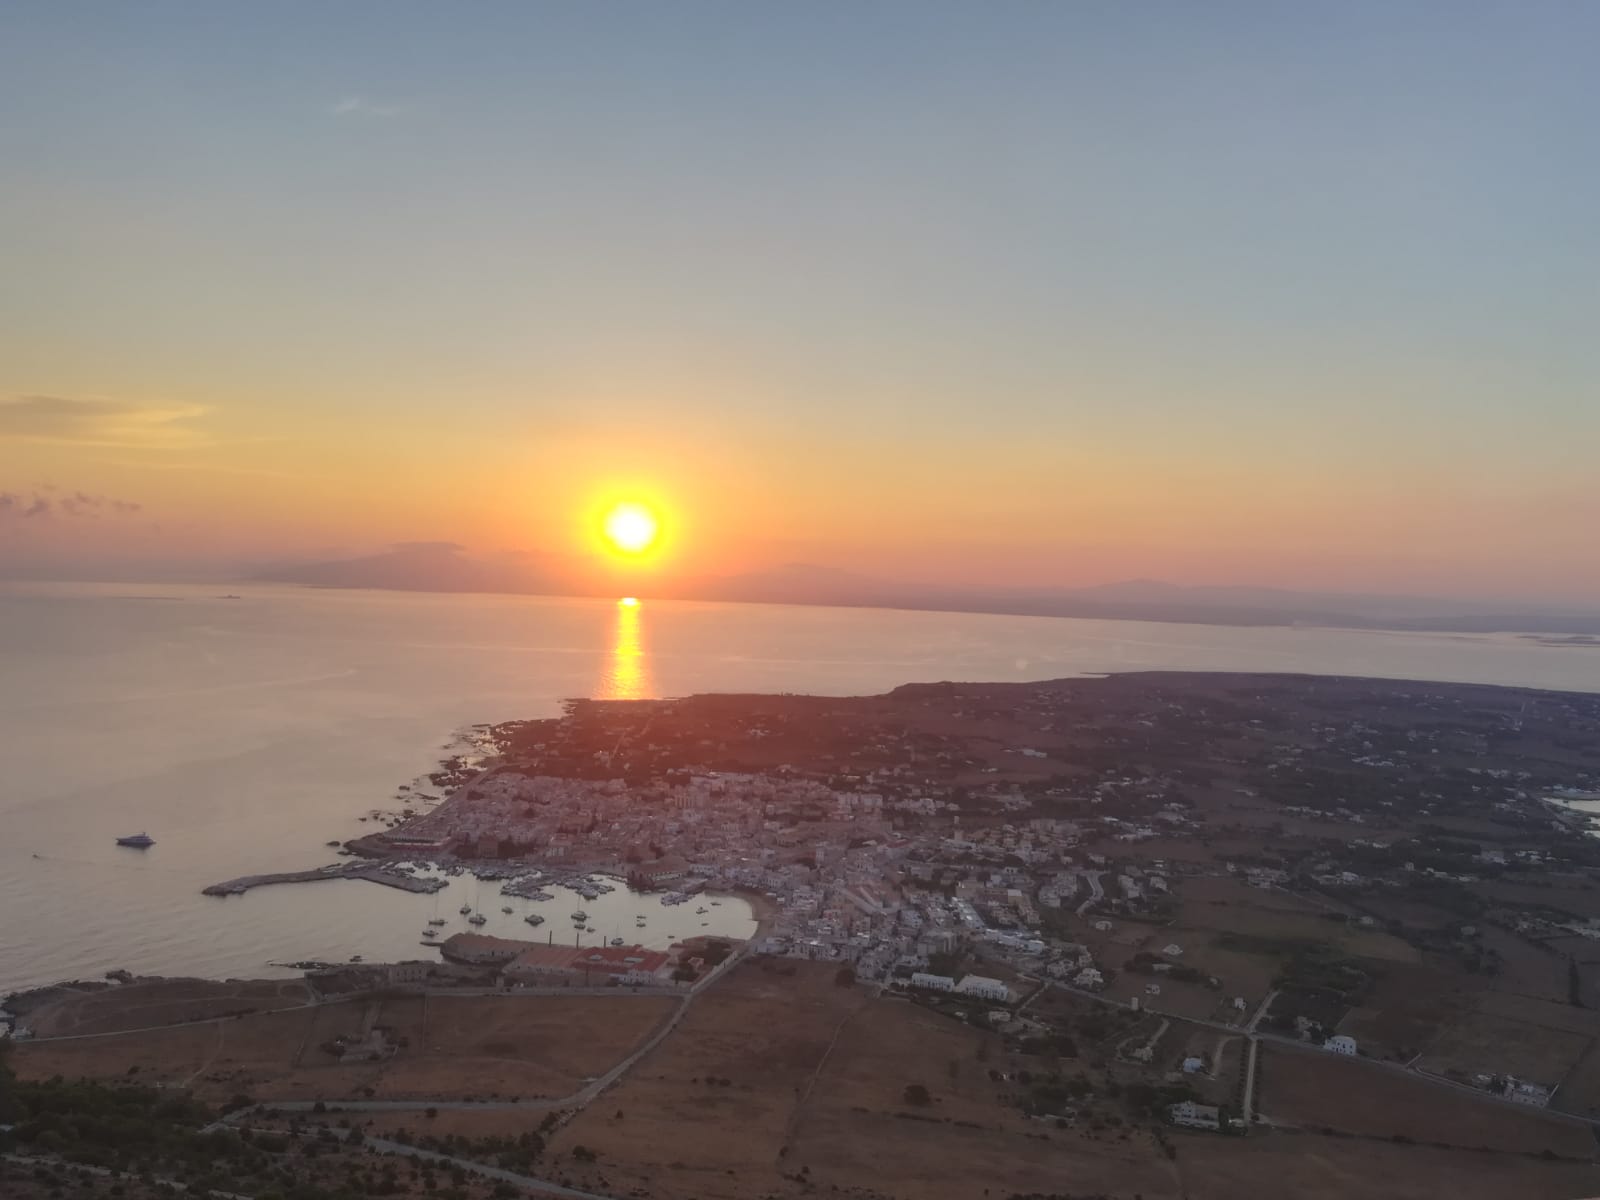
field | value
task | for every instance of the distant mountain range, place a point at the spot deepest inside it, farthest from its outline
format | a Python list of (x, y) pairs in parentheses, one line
[(446, 567)]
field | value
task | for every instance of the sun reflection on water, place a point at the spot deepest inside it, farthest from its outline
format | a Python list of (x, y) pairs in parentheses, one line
[(627, 675)]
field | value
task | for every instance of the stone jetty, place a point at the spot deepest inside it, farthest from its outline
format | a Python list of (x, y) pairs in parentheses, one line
[(368, 871)]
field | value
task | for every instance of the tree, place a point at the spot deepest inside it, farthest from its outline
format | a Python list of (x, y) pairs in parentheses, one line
[(916, 1094)]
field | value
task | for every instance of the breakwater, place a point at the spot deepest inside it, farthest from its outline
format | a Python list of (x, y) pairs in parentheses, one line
[(368, 871)]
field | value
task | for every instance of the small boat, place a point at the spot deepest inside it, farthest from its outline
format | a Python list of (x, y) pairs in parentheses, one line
[(430, 933), (534, 919), (716, 903), (477, 919), (588, 928), (506, 909), (580, 915), (464, 909), (436, 921), (700, 912), (616, 941), (355, 958), (333, 843), (138, 840)]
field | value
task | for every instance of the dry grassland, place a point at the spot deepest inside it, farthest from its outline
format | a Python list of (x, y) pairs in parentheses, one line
[(161, 1002), (1526, 970), (1500, 1046), (1306, 1167), (1314, 1089), (1407, 1008), (456, 1047), (680, 1136)]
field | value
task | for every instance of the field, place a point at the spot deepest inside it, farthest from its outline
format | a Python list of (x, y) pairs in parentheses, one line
[(452, 1048), (1315, 1090), (1407, 1008), (684, 1132), (1307, 1167), (1498, 1045), (808, 1095), (816, 1088), (161, 1002), (1226, 906), (1526, 970), (779, 1082)]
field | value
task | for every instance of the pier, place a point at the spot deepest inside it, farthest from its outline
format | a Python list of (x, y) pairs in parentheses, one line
[(368, 871)]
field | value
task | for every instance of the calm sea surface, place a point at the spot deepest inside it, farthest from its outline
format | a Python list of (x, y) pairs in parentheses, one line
[(245, 734)]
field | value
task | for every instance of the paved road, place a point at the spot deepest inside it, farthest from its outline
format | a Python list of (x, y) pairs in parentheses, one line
[(1261, 1011), (1252, 1048), (1096, 892)]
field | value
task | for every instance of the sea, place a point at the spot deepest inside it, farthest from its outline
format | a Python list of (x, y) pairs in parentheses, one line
[(245, 728)]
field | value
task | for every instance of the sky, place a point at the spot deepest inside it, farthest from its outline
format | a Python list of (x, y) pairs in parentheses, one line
[(1025, 293)]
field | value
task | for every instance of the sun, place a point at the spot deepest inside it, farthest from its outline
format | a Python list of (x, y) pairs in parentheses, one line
[(631, 528)]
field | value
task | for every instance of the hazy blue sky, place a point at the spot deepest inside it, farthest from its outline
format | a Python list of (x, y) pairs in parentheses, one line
[(1278, 293)]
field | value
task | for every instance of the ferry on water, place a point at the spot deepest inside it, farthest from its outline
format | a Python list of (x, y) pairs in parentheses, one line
[(140, 840)]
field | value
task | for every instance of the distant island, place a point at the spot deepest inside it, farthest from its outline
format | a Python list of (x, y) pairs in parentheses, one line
[(447, 567)]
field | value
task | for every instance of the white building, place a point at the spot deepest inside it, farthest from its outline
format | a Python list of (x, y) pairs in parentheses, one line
[(1195, 1116), (932, 983), (984, 988), (1172, 950), (1340, 1044), (1193, 1066)]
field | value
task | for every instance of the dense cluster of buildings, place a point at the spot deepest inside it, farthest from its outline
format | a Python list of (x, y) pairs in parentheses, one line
[(865, 878)]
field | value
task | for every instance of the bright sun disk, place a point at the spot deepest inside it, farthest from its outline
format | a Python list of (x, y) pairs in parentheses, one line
[(631, 528)]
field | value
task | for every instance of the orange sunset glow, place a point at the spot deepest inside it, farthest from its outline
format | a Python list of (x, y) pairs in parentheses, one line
[(857, 547)]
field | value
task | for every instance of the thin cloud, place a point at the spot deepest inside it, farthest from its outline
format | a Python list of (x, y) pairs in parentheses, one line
[(30, 506), (66, 420), (360, 106)]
